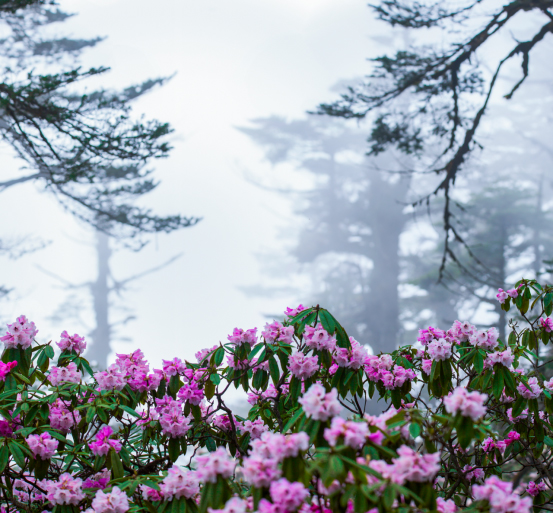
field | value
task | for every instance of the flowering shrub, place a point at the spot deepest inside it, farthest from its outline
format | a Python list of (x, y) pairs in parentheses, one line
[(465, 422)]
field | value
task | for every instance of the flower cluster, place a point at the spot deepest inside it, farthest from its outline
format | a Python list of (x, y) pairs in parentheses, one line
[(104, 443), (468, 404), (42, 446), (501, 497), (20, 334), (67, 374), (320, 405)]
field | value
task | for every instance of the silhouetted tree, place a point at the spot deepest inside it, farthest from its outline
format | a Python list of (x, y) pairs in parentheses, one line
[(450, 92)]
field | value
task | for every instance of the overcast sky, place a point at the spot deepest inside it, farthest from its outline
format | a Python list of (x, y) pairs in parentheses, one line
[(233, 61)]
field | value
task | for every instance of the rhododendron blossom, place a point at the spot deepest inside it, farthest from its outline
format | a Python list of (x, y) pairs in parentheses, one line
[(214, 464), (71, 342), (67, 374), (65, 491), (115, 501), (179, 483), (353, 434), (302, 366), (5, 369), (318, 338), (468, 404), (42, 446), (439, 349), (531, 389), (277, 332), (505, 358), (240, 337), (547, 324), (104, 443), (318, 404), (501, 497), (112, 379), (20, 334)]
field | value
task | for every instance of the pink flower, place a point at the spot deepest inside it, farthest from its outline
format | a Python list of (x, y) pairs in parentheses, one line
[(532, 391), (6, 368), (505, 358), (276, 332), (473, 473), (142, 381), (68, 374), (468, 404), (214, 464), (319, 405), (233, 505), (104, 443), (260, 471), (292, 312), (439, 349), (485, 339), (353, 358), (354, 434), (461, 331), (114, 502), (445, 506), (302, 366), (513, 293), (173, 423), (65, 491), (410, 465), (191, 392), (111, 379), (98, 480), (547, 324), (174, 367), (501, 295), (240, 337), (429, 334), (201, 355), (20, 334), (61, 418), (42, 446), (500, 496), (255, 428), (318, 338), (287, 496), (534, 489), (72, 343), (179, 483), (427, 366)]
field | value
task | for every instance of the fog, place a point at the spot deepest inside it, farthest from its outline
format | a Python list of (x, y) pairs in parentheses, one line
[(236, 69), (231, 62)]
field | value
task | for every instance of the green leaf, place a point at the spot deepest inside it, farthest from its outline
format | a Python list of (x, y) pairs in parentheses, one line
[(218, 356), (300, 315), (215, 378), (274, 370), (509, 382), (254, 351), (49, 350), (210, 444), (174, 449), (290, 424), (209, 389), (498, 383), (17, 454), (548, 441), (478, 362), (519, 405), (414, 429), (128, 410), (465, 431), (116, 465), (4, 457)]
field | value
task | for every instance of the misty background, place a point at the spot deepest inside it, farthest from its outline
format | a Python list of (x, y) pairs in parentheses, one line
[(292, 208)]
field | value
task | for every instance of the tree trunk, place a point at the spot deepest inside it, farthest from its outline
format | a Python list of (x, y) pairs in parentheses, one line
[(387, 222), (101, 336)]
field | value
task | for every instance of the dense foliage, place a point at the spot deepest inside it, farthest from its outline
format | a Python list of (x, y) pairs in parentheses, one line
[(466, 421)]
